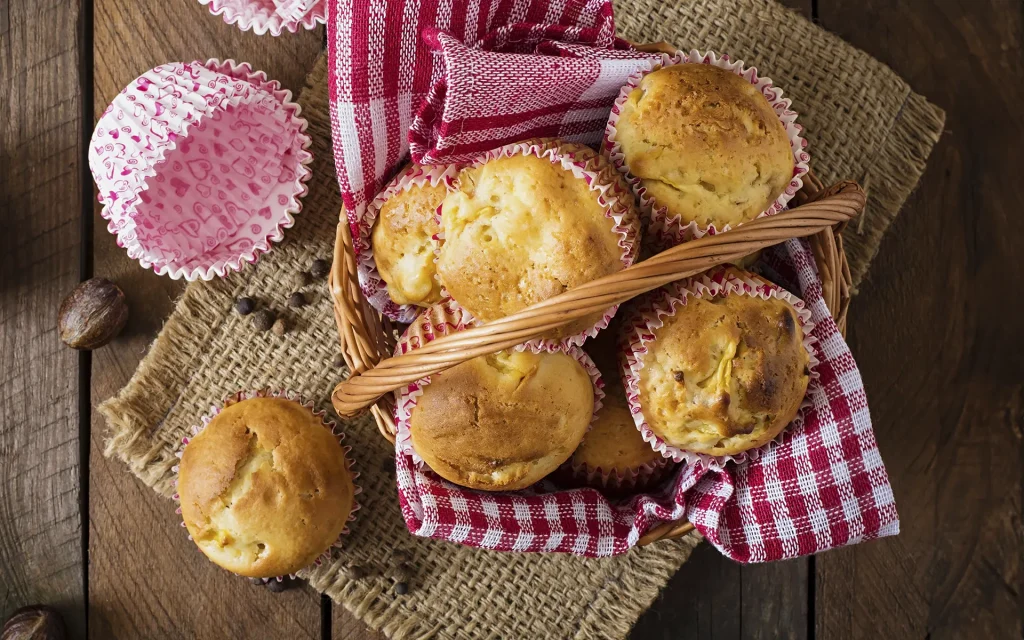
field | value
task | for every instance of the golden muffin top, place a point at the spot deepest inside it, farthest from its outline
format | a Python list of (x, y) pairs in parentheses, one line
[(403, 247), (724, 375), (522, 229), (504, 421), (265, 488), (705, 144), (614, 444)]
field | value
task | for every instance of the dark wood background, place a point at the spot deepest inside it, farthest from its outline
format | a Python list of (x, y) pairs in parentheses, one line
[(937, 331)]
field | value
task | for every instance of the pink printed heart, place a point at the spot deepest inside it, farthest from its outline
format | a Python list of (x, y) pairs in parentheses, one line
[(239, 215), (219, 150), (242, 245), (204, 190), (200, 210), (180, 186), (190, 228), (200, 168), (265, 213), (255, 188), (243, 168)]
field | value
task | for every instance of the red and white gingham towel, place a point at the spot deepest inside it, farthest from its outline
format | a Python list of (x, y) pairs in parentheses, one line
[(457, 68)]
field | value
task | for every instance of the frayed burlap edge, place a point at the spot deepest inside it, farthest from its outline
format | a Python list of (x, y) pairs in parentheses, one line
[(892, 175), (139, 408)]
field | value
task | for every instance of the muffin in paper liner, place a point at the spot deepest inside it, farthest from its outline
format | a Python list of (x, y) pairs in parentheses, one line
[(648, 315), (613, 194), (663, 230), (441, 319), (327, 423), (275, 16), (370, 280), (615, 482), (200, 167)]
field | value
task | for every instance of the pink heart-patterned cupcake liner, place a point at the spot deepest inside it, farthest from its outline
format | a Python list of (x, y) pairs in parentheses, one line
[(274, 16), (200, 167)]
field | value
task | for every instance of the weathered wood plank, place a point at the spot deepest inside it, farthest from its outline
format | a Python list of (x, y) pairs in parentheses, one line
[(936, 332), (147, 579), (712, 597), (40, 208)]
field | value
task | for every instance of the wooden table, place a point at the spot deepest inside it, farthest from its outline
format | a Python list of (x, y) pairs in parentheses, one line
[(937, 331)]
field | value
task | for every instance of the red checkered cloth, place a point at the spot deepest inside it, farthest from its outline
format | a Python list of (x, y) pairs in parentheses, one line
[(823, 487)]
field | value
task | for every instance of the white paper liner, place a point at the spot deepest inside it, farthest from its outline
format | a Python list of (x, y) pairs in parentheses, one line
[(275, 16), (328, 424), (370, 280), (612, 193), (442, 319), (665, 231), (200, 167), (648, 315)]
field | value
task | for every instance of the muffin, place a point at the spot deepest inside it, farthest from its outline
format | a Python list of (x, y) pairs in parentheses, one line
[(265, 487), (704, 144), (613, 454), (522, 226), (504, 421), (402, 238), (724, 373)]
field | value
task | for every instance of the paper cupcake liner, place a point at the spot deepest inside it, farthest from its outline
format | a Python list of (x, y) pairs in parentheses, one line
[(200, 167), (649, 314), (370, 280), (328, 424), (275, 16), (665, 231), (615, 481), (442, 319), (612, 193)]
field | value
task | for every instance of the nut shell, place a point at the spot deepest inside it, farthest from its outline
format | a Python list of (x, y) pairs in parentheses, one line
[(92, 314), (37, 622)]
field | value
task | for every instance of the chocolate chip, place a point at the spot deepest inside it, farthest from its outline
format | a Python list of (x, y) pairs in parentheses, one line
[(787, 323), (339, 360), (263, 320), (401, 588), (356, 572), (245, 306), (297, 299), (320, 268), (678, 375), (279, 327)]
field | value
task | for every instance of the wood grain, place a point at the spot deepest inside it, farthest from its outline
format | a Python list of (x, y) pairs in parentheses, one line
[(936, 332), (40, 204), (146, 578)]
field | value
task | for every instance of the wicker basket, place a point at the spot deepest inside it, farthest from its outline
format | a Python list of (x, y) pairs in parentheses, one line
[(368, 339)]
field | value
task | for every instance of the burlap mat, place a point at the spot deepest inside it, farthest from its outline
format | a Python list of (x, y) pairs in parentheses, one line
[(862, 122)]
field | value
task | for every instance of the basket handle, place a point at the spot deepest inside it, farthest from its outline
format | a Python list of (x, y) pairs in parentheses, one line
[(366, 385), (367, 338)]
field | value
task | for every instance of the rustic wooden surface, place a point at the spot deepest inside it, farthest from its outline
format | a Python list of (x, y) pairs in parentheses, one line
[(41, 199), (936, 331)]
